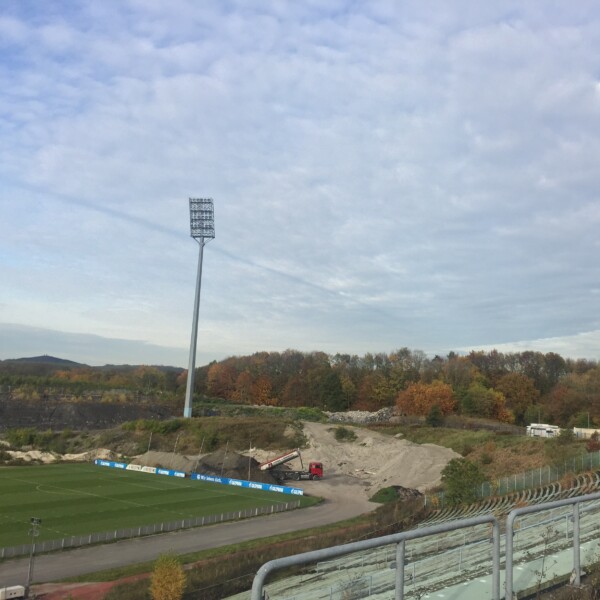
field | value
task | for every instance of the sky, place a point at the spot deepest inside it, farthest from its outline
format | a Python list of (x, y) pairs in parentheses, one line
[(384, 175)]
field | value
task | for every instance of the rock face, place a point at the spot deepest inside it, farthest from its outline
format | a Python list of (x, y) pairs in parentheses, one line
[(73, 415)]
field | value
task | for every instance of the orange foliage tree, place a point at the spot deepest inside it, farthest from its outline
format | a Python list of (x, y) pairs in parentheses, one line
[(419, 398), (168, 579)]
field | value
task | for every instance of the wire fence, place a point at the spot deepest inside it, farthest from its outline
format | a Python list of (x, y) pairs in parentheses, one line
[(527, 480), (77, 541)]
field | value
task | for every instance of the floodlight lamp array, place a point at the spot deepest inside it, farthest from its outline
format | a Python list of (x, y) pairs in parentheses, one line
[(202, 218)]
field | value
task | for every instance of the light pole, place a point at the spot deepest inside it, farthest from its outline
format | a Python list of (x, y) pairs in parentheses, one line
[(202, 225), (33, 532)]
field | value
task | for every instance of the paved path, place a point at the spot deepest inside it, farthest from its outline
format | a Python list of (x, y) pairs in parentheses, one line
[(57, 566)]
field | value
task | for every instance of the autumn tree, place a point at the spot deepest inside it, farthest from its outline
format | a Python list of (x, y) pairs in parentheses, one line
[(262, 391), (374, 392), (296, 392), (520, 394), (221, 378), (420, 398), (168, 579), (243, 388), (573, 395)]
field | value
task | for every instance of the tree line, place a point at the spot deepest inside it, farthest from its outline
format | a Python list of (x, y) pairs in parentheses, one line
[(520, 387)]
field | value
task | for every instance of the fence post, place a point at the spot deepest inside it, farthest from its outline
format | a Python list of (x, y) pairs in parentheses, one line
[(576, 548)]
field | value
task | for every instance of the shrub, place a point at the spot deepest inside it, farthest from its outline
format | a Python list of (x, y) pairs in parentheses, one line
[(461, 477), (18, 438), (435, 417), (384, 495), (168, 579), (593, 444), (306, 413), (486, 459), (343, 434)]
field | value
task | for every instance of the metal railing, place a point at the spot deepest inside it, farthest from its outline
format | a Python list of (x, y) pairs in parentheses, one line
[(517, 512), (375, 581), (399, 539), (77, 541)]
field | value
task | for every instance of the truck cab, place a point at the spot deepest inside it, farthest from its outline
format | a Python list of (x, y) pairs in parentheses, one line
[(315, 470)]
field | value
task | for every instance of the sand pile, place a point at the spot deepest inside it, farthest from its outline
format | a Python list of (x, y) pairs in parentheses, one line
[(51, 457), (166, 460), (372, 461)]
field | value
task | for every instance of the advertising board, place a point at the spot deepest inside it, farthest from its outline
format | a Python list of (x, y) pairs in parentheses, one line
[(255, 485)]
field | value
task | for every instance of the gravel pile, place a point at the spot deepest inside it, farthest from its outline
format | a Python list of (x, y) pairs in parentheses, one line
[(362, 417)]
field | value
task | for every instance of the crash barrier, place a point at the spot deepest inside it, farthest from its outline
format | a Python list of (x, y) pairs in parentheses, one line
[(459, 569), (527, 480), (254, 485), (77, 541)]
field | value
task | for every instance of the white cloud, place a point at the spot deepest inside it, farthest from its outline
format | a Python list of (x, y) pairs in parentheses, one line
[(382, 176)]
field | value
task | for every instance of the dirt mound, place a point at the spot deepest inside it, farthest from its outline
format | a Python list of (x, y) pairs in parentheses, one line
[(166, 460), (219, 463), (370, 462), (406, 493), (234, 465)]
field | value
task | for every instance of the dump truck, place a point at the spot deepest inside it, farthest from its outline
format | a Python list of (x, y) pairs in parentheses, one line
[(315, 468)]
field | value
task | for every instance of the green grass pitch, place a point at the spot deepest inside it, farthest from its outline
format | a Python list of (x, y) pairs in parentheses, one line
[(74, 499)]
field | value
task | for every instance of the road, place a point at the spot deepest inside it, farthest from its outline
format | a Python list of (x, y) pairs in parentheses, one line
[(341, 502)]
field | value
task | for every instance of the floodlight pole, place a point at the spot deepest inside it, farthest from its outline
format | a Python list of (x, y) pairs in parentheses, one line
[(202, 230)]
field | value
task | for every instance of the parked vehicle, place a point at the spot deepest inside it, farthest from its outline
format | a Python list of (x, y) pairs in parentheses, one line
[(543, 430), (14, 591), (315, 468)]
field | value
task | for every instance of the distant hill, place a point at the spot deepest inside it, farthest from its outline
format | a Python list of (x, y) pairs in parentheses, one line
[(46, 365), (46, 360)]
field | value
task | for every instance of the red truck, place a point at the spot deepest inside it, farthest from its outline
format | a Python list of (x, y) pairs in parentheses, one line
[(315, 469)]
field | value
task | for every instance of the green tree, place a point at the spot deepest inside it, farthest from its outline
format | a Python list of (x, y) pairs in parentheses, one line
[(168, 578), (480, 401), (331, 392), (435, 418), (461, 478)]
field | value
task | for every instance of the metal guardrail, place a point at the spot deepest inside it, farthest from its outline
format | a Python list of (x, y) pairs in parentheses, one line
[(399, 539), (77, 541), (517, 512)]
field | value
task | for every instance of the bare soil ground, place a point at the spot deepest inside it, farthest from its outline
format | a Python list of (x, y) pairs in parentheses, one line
[(359, 467), (370, 462)]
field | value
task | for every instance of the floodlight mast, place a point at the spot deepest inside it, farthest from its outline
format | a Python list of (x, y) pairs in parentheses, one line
[(202, 226)]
